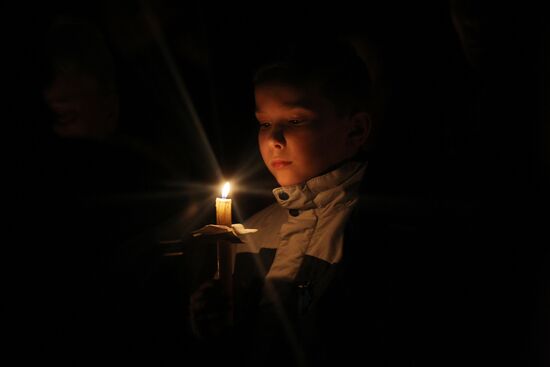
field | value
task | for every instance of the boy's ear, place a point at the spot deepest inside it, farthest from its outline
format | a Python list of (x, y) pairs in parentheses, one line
[(360, 129)]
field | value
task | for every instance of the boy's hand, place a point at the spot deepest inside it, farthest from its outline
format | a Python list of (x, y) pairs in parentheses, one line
[(210, 311)]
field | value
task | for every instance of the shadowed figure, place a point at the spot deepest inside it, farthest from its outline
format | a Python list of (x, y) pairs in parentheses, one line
[(81, 91), (96, 274)]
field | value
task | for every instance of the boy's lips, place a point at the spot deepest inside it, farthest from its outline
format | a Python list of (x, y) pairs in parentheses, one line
[(279, 163)]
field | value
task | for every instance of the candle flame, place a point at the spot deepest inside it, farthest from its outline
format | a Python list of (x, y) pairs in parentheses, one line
[(225, 190)]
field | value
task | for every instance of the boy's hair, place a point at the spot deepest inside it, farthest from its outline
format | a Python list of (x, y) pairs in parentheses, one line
[(330, 65)]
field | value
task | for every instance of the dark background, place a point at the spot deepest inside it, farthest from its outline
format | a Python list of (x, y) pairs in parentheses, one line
[(474, 143), (431, 106)]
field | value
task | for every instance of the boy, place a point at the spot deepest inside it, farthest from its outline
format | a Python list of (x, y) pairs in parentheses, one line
[(289, 279)]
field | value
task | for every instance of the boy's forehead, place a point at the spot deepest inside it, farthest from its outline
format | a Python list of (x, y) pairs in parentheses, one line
[(288, 96)]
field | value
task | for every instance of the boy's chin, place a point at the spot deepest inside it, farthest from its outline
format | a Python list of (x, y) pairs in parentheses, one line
[(284, 180), (286, 183), (287, 177)]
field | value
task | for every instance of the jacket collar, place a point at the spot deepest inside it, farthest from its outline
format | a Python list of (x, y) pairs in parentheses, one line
[(332, 188)]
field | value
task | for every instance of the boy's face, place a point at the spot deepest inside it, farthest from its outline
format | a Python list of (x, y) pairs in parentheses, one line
[(301, 136)]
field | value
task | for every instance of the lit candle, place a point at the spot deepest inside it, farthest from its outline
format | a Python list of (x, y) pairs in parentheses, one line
[(224, 253), (223, 207)]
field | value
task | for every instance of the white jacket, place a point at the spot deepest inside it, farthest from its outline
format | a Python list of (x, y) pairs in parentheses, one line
[(308, 220)]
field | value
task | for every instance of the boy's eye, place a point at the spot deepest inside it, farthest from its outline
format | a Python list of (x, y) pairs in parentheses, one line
[(295, 122), (264, 125)]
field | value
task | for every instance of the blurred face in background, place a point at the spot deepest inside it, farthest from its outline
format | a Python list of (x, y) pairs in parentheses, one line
[(82, 109), (466, 16)]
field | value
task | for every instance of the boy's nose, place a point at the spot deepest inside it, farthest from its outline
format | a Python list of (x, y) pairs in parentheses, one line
[(277, 137)]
